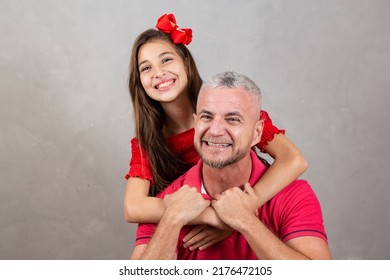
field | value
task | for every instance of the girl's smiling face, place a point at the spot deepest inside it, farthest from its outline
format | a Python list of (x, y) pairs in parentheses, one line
[(162, 71)]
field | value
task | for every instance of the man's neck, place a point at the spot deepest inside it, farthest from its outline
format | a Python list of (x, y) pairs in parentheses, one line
[(234, 175)]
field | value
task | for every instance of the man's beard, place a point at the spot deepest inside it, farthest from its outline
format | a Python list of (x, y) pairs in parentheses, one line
[(221, 163)]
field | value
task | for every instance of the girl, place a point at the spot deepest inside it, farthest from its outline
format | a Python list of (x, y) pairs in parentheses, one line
[(164, 84)]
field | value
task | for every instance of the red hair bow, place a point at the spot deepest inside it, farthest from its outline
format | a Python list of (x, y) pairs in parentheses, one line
[(167, 23)]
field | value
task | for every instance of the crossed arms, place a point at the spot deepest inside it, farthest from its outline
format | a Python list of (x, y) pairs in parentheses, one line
[(237, 208)]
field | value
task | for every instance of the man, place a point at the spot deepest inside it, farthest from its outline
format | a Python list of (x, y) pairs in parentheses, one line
[(289, 226)]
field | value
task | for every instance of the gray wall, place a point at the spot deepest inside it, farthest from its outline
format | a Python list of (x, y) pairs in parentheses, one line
[(66, 117)]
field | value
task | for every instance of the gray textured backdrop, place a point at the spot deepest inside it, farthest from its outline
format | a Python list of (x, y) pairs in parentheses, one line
[(66, 116)]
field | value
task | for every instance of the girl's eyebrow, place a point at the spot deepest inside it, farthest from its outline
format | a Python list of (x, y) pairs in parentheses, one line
[(164, 53), (160, 55)]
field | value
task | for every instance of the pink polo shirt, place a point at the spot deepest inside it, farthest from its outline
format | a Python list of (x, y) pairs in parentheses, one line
[(293, 212)]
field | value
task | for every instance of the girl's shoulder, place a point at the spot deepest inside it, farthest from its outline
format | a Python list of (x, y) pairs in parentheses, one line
[(264, 116), (184, 138), (269, 131), (182, 145)]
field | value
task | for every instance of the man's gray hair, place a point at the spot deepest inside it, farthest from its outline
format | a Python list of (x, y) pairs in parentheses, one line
[(230, 79)]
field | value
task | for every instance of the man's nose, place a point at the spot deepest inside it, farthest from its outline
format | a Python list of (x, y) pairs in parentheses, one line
[(217, 127)]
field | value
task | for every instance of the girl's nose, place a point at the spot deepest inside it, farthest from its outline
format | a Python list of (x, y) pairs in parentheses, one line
[(159, 72)]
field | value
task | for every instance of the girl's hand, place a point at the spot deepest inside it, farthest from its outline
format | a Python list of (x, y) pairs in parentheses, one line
[(184, 205), (236, 206), (203, 236)]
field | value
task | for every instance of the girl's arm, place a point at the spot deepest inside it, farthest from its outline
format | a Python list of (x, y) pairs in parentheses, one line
[(288, 165), (141, 208), (138, 206)]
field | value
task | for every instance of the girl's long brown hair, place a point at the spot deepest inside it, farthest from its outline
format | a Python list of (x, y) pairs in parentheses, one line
[(150, 117)]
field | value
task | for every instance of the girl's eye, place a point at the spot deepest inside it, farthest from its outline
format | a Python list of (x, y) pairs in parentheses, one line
[(145, 68), (166, 59)]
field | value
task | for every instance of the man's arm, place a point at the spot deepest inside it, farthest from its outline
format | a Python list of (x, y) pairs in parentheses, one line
[(266, 245), (180, 208), (237, 208), (162, 246)]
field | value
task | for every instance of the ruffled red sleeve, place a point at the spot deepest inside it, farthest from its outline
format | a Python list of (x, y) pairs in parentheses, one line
[(139, 163), (269, 131)]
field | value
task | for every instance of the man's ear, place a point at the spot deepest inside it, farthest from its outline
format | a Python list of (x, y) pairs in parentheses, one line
[(258, 132)]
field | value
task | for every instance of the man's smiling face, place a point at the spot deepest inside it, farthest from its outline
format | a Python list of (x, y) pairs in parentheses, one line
[(225, 125)]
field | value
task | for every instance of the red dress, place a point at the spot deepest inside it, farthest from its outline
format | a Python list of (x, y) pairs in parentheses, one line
[(182, 145)]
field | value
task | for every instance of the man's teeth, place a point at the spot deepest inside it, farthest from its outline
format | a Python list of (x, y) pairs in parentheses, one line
[(165, 84), (217, 144)]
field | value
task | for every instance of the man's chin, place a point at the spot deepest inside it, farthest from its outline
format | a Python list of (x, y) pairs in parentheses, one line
[(216, 163)]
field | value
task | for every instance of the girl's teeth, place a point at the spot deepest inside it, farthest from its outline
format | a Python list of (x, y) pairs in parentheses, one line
[(165, 84)]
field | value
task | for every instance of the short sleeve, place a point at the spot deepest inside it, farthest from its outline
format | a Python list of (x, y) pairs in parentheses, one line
[(269, 131), (302, 215), (139, 163), (144, 233)]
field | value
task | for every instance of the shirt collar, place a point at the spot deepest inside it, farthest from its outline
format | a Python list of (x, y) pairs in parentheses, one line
[(194, 176)]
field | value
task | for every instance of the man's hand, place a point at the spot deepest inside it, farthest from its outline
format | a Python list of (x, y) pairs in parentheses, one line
[(184, 205), (236, 206)]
